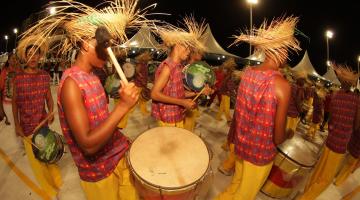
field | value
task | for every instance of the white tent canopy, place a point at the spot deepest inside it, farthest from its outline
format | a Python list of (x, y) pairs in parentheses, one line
[(305, 65), (212, 46), (142, 39), (257, 56), (331, 76)]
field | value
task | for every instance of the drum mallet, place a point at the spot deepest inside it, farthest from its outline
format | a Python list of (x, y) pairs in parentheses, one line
[(103, 38), (43, 122)]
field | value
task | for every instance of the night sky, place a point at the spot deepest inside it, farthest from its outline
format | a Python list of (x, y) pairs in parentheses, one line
[(228, 17)]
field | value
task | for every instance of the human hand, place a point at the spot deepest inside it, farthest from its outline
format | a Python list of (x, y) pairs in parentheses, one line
[(188, 103), (129, 94)]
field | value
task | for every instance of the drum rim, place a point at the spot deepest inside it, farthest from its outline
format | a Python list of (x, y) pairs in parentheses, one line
[(185, 68), (184, 187), (57, 156), (293, 160)]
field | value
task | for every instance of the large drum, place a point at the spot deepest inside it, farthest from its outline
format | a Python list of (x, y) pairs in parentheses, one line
[(129, 70), (197, 75), (49, 145), (170, 163), (292, 164)]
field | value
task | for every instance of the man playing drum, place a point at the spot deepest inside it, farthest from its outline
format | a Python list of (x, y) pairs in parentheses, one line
[(168, 94), (30, 94), (345, 118), (260, 111)]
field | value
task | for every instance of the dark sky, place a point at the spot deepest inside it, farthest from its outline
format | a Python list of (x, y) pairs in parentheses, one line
[(227, 17)]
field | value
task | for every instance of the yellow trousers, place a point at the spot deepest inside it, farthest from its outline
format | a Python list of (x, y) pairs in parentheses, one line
[(179, 124), (352, 194), (229, 162), (323, 174), (224, 108), (117, 186), (346, 170), (291, 123), (47, 175), (312, 129), (190, 117), (124, 120), (247, 181)]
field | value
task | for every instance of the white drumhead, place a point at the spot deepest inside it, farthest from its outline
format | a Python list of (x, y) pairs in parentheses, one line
[(129, 70), (169, 157)]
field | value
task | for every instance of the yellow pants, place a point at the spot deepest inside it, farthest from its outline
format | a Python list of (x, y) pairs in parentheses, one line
[(142, 103), (346, 170), (179, 124), (247, 181), (229, 163), (190, 117), (47, 175), (117, 186), (224, 108), (323, 174), (352, 194), (124, 120), (312, 130), (291, 123)]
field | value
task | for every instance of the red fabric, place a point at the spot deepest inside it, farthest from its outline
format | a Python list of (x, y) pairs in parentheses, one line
[(142, 74), (165, 112), (327, 103), (31, 91), (255, 117), (220, 76), (343, 108), (7, 81), (354, 144), (284, 179), (293, 110), (102, 164)]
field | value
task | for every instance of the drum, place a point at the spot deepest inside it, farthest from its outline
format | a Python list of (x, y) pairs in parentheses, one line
[(50, 144), (129, 70), (294, 161), (146, 94), (197, 75), (170, 163)]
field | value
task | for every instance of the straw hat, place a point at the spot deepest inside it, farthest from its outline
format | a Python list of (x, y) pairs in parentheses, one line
[(345, 74), (273, 39), (144, 57)]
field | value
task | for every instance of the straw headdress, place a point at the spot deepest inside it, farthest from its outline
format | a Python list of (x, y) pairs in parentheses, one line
[(188, 36), (273, 39), (78, 22), (229, 64), (143, 57), (345, 74)]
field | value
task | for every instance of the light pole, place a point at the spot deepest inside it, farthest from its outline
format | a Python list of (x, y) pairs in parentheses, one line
[(6, 41), (251, 3), (16, 32), (329, 35), (358, 63)]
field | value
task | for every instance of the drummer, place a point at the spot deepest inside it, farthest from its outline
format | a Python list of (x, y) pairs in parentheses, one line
[(30, 95), (141, 77), (344, 109), (169, 97), (260, 111)]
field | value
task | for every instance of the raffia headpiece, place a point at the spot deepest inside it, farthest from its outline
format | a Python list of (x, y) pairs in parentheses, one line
[(188, 36), (274, 39), (345, 74), (229, 64), (78, 22)]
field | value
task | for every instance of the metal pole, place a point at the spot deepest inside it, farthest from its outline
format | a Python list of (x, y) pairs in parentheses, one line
[(327, 52), (251, 28), (15, 40), (6, 45)]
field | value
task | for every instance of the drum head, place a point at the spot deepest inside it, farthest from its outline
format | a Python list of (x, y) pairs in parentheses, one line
[(129, 70), (169, 157), (300, 150), (47, 142), (198, 74)]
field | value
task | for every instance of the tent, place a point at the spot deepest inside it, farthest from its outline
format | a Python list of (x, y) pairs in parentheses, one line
[(142, 39), (331, 76), (305, 65), (257, 56), (212, 46)]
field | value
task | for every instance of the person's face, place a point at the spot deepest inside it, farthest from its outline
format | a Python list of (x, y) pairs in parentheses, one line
[(94, 59), (33, 57), (183, 52), (12, 61), (195, 56)]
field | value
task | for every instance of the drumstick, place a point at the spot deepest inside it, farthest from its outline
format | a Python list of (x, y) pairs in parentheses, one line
[(117, 66), (30, 142), (43, 122), (197, 96)]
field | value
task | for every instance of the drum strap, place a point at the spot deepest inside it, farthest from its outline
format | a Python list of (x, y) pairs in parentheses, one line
[(22, 176)]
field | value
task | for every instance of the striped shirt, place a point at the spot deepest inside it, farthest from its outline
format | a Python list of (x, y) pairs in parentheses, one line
[(343, 107), (255, 117), (31, 92), (354, 144), (102, 164), (170, 113)]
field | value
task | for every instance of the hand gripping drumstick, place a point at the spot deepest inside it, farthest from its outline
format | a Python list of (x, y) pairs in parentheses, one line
[(197, 96), (103, 38)]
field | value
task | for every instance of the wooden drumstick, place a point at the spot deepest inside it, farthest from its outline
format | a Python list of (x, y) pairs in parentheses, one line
[(197, 96), (43, 122), (30, 142), (117, 65)]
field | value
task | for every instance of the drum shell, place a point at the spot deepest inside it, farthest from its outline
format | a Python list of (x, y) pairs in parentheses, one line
[(58, 149)]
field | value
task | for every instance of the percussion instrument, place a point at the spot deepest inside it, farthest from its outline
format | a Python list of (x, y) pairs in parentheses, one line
[(49, 145), (170, 163), (294, 161), (145, 94), (197, 75), (112, 85), (129, 70)]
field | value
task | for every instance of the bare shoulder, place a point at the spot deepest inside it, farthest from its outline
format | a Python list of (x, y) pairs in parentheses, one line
[(282, 87)]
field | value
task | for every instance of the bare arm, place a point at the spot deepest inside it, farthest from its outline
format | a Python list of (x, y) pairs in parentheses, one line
[(158, 95), (91, 141), (282, 92)]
